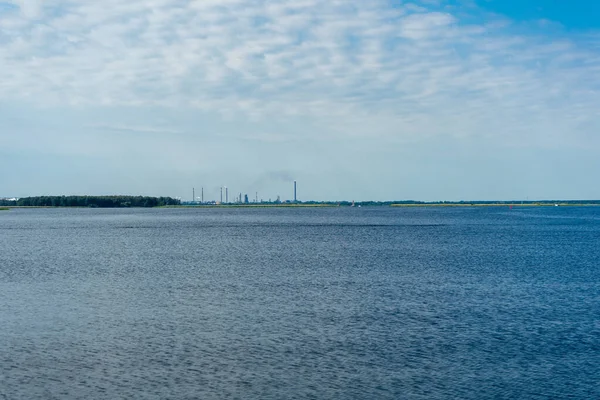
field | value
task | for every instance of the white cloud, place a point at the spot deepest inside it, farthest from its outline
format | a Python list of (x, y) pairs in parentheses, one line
[(374, 68), (134, 129), (425, 25), (29, 8)]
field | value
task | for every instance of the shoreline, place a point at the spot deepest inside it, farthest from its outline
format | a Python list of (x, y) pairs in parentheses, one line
[(254, 206), (388, 205), (329, 205), (500, 205)]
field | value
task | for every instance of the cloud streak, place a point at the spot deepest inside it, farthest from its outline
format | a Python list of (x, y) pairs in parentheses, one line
[(134, 129), (367, 68)]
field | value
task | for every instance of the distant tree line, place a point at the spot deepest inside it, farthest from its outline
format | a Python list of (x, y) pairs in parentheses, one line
[(7, 203), (143, 201), (91, 201)]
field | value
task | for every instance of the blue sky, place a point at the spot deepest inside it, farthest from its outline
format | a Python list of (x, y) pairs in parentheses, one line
[(427, 100), (572, 15)]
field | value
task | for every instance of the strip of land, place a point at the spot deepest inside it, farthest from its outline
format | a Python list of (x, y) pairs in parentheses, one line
[(168, 202), (498, 205), (90, 201), (260, 205), (346, 204)]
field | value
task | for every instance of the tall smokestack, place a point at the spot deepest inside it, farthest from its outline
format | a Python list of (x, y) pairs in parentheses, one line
[(295, 192), (193, 195), (226, 195), (221, 194), (202, 195)]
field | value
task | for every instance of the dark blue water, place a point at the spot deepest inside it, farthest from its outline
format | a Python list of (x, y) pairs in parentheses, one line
[(342, 303)]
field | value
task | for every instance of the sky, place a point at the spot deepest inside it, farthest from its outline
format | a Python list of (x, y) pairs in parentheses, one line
[(357, 100)]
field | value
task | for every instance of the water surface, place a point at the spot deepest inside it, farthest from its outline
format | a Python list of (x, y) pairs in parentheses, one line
[(337, 303)]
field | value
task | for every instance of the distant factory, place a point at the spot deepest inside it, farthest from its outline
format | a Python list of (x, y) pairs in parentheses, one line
[(239, 198)]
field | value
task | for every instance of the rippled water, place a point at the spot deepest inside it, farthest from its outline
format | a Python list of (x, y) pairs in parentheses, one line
[(363, 303)]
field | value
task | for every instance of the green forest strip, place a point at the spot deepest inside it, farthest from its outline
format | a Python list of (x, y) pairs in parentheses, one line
[(90, 201), (4, 208)]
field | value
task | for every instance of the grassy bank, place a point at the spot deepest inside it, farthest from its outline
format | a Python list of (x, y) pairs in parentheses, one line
[(328, 205), (497, 205), (4, 208)]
